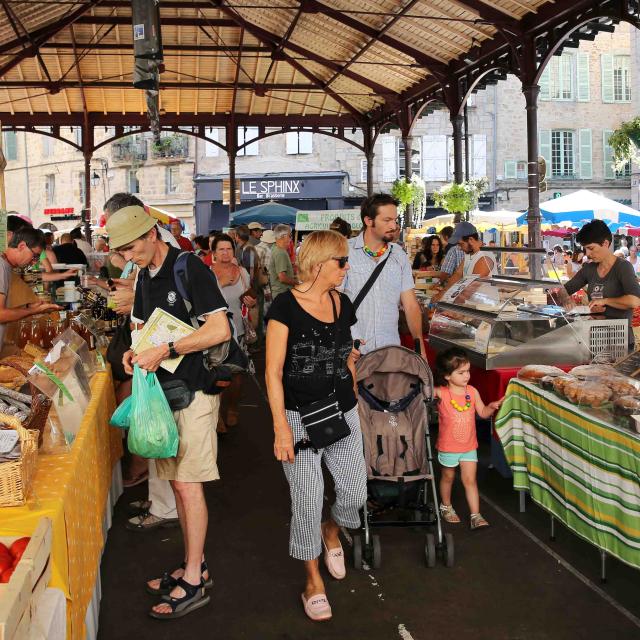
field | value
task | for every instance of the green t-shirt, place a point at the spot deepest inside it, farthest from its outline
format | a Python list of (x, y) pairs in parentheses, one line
[(280, 262)]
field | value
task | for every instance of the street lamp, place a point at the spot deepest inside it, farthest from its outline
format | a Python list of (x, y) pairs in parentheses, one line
[(95, 179)]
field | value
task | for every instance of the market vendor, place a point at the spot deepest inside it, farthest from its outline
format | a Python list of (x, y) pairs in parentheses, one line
[(25, 247), (610, 281)]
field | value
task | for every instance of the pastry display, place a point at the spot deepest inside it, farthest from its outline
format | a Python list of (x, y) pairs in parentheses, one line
[(534, 372), (626, 406), (621, 386), (547, 382), (593, 371), (560, 382), (587, 393)]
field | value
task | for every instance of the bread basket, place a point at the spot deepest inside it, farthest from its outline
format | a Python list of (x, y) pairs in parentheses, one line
[(16, 477)]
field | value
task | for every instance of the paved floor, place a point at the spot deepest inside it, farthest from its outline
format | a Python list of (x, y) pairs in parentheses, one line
[(504, 584)]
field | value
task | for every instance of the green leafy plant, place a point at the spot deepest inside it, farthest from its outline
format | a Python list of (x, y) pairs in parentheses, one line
[(410, 193), (625, 143), (459, 198)]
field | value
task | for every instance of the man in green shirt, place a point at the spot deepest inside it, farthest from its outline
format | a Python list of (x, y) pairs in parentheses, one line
[(280, 269)]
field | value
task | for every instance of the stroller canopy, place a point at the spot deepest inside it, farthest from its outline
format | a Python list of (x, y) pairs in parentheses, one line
[(393, 371)]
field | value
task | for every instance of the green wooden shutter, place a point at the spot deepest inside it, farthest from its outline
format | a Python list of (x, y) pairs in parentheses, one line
[(606, 64), (586, 160), (510, 169), (10, 145), (609, 172), (545, 83), (583, 87), (545, 148)]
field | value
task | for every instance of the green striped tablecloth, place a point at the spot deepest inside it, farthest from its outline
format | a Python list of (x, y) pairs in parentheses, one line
[(581, 468)]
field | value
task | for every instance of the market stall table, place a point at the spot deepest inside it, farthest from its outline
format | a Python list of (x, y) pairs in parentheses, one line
[(577, 465), (72, 489)]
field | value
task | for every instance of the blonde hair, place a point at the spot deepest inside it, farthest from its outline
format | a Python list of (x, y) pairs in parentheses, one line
[(319, 247)]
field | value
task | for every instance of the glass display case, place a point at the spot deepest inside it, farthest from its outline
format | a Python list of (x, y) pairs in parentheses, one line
[(511, 320)]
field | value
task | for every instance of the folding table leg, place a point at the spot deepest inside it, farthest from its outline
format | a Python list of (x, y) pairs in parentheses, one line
[(522, 499), (603, 565), (552, 537)]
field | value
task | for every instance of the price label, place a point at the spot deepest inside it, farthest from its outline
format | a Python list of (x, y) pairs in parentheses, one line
[(483, 335), (451, 294)]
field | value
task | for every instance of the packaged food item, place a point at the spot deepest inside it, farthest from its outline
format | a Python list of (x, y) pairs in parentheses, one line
[(593, 371), (547, 383), (534, 372), (592, 394), (626, 406), (622, 386), (560, 382)]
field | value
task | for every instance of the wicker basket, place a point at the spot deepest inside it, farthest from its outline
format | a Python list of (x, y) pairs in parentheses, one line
[(16, 477), (40, 404)]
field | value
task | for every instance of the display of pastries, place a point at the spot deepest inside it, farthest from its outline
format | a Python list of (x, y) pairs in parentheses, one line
[(559, 383), (594, 371), (626, 406), (591, 394), (535, 372), (621, 386)]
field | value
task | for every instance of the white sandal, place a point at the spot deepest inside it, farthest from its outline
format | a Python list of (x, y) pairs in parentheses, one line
[(448, 514)]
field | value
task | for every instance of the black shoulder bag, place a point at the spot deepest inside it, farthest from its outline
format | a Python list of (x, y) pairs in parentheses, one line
[(370, 282), (323, 419)]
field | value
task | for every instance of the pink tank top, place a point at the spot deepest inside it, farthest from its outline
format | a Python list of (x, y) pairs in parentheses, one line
[(457, 429)]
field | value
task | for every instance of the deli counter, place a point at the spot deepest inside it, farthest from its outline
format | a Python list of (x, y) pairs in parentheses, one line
[(522, 315)]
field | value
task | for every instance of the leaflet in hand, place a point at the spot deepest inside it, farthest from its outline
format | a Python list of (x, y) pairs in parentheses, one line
[(162, 328)]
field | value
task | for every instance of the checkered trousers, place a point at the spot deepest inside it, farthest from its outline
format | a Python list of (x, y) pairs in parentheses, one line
[(345, 462)]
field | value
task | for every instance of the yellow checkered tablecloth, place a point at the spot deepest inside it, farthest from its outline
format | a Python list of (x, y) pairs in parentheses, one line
[(72, 490)]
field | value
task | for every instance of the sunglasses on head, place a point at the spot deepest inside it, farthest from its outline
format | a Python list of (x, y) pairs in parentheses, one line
[(342, 261)]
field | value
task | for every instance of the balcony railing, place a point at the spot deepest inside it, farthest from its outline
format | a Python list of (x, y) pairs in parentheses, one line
[(175, 146), (131, 150)]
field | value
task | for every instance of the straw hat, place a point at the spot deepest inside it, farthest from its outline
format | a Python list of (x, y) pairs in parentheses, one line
[(268, 236), (128, 224)]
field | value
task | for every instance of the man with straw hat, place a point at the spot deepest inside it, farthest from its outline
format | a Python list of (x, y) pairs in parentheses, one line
[(134, 234)]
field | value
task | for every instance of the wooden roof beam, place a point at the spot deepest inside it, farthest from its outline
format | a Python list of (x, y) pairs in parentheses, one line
[(58, 85), (491, 14), (236, 80), (45, 33), (435, 67), (173, 21), (272, 39), (113, 46)]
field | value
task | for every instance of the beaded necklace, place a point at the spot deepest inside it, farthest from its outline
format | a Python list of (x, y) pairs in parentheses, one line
[(456, 406), (375, 254)]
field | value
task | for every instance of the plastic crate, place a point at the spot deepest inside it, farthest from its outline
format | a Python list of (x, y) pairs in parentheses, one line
[(608, 339)]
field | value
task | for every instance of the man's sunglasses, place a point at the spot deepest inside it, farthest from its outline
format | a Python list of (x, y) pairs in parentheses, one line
[(342, 261)]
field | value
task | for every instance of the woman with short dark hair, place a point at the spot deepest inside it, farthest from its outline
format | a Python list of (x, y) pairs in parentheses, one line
[(610, 281)]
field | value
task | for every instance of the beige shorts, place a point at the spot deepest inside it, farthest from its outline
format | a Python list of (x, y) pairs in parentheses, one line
[(198, 450)]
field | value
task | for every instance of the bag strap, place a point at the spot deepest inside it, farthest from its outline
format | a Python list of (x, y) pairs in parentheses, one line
[(336, 333), (371, 281), (181, 277)]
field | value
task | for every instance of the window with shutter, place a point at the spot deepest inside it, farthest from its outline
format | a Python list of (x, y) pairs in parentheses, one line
[(510, 169), (621, 80), (562, 154), (416, 157), (10, 145), (389, 159), (291, 142), (210, 149), (545, 84), (545, 148), (583, 88), (305, 142), (609, 172), (81, 188), (586, 163), (434, 153), (521, 170), (363, 170), (244, 135), (606, 65), (479, 156)]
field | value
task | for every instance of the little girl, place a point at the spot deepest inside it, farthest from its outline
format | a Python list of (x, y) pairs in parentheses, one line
[(457, 443)]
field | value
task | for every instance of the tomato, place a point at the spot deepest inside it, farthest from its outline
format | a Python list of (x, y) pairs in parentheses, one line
[(4, 550), (18, 547), (6, 574)]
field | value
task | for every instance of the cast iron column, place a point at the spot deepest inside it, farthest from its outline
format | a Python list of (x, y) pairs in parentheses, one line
[(407, 141), (466, 143), (369, 155), (457, 123), (232, 151), (87, 152), (533, 216)]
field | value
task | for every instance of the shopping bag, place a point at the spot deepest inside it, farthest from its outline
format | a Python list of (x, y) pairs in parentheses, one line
[(153, 432), (121, 417)]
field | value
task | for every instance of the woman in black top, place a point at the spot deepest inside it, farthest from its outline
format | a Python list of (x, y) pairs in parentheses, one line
[(299, 370), (431, 256), (610, 281)]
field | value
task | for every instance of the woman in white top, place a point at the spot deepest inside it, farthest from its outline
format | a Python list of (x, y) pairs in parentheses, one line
[(234, 283), (633, 258)]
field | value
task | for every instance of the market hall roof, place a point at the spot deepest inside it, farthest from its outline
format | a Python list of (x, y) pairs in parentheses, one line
[(342, 61)]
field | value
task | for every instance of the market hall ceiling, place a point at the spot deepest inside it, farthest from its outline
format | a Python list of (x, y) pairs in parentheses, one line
[(348, 61)]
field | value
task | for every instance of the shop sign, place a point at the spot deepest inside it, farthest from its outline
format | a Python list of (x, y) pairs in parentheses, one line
[(321, 220), (270, 189), (59, 211)]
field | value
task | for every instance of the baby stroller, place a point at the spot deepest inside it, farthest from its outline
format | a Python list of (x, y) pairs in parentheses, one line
[(395, 390)]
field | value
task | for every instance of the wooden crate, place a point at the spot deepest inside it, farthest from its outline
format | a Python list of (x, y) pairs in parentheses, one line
[(29, 580)]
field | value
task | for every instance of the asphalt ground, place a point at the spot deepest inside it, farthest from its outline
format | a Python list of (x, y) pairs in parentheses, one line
[(509, 581)]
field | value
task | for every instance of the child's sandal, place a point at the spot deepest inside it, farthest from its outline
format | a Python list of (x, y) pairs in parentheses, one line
[(478, 522), (448, 514)]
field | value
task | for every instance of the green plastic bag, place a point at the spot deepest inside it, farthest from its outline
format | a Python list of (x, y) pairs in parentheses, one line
[(121, 417), (153, 432)]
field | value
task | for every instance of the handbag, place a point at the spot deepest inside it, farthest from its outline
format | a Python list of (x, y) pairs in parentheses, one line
[(323, 419), (250, 334), (120, 343), (178, 394)]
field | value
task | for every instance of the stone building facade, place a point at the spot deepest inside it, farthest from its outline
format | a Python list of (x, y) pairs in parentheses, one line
[(585, 94)]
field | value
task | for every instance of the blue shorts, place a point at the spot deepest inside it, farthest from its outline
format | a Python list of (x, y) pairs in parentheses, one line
[(454, 459)]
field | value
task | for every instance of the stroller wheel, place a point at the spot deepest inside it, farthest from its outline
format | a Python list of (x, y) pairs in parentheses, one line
[(357, 552), (449, 553), (430, 550), (376, 552)]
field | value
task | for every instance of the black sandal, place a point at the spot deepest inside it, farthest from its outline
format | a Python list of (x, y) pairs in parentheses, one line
[(193, 599), (168, 583)]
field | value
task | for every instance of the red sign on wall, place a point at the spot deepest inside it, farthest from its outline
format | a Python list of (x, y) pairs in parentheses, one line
[(59, 211)]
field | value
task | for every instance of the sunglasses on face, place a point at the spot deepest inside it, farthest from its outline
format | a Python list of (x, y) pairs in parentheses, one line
[(342, 261)]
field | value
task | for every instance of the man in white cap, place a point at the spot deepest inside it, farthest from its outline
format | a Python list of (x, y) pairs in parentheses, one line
[(135, 235), (255, 231)]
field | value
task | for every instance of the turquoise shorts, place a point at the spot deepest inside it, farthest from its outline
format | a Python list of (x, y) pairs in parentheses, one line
[(454, 459)]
